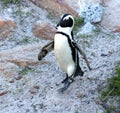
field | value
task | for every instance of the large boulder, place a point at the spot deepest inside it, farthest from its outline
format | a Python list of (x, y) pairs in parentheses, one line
[(111, 19), (92, 12), (44, 30), (56, 7)]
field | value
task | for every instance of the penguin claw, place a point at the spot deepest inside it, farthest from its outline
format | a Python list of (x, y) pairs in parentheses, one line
[(67, 83), (65, 87), (64, 80)]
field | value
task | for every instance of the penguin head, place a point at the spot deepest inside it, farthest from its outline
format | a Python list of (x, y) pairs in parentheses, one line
[(66, 23)]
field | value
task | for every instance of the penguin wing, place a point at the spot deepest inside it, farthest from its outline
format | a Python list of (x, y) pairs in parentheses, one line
[(45, 50), (82, 53), (78, 48)]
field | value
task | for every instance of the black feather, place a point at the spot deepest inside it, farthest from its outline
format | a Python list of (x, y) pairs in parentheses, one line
[(65, 22)]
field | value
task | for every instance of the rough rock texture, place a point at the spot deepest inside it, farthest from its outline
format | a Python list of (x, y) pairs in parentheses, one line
[(23, 56), (56, 7), (43, 30), (88, 28), (93, 13), (111, 19), (8, 69), (83, 4), (7, 26), (73, 4), (91, 1)]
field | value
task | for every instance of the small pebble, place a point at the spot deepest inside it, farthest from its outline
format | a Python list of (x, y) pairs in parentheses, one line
[(18, 78), (34, 89), (3, 93), (11, 81), (79, 95)]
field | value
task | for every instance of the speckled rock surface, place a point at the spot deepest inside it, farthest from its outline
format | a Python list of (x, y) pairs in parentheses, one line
[(88, 29), (93, 13)]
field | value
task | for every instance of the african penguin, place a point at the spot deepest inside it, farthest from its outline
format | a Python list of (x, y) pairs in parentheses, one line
[(65, 52)]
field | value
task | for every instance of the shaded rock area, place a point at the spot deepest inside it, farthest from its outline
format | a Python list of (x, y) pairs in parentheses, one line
[(31, 86)]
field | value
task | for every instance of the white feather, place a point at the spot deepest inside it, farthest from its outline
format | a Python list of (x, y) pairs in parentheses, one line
[(63, 54)]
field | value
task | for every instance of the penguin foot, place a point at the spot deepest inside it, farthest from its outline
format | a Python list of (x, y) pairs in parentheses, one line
[(65, 87), (64, 80), (67, 83)]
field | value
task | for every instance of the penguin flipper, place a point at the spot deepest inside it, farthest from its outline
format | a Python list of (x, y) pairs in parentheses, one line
[(45, 50), (82, 53)]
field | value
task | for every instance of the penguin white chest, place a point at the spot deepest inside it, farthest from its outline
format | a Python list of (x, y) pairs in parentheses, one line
[(63, 53)]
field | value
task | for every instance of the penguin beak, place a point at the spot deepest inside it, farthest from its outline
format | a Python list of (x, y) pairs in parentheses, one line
[(57, 25)]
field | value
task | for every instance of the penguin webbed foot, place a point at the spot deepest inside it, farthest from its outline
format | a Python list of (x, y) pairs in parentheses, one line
[(67, 81), (64, 80)]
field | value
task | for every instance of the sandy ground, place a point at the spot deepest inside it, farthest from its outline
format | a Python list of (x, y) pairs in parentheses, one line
[(37, 90)]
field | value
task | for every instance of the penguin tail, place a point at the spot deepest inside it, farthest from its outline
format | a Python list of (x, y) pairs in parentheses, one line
[(78, 71)]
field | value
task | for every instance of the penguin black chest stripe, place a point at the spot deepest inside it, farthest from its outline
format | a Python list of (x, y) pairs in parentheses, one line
[(73, 50)]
